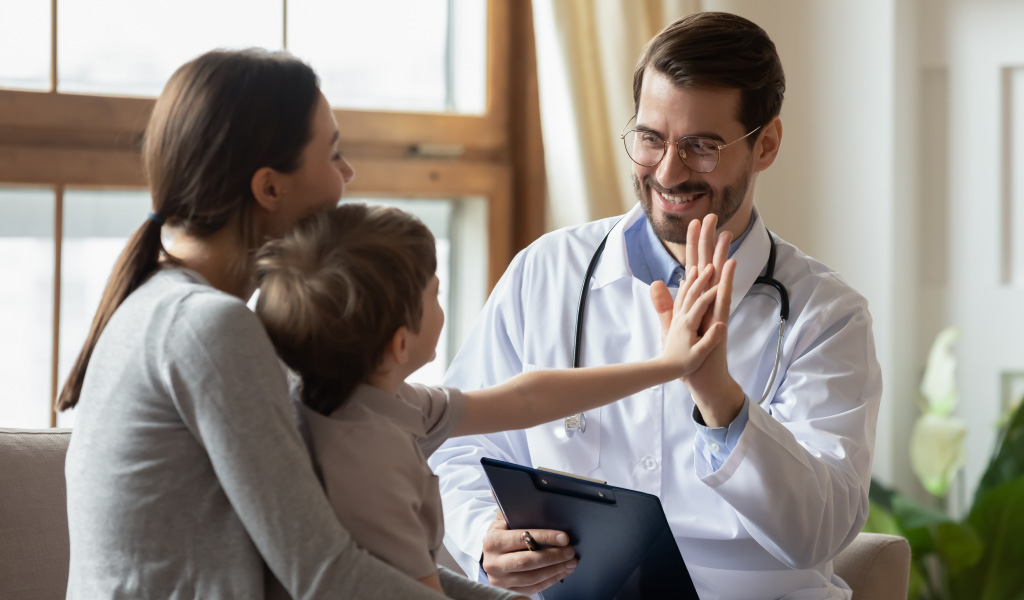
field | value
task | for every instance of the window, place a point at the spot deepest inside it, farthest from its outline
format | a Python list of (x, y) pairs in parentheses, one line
[(26, 305), (72, 112)]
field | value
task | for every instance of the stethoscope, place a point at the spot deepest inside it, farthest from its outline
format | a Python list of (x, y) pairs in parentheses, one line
[(578, 422)]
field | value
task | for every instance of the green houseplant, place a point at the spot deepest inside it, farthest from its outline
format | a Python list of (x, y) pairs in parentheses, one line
[(978, 557)]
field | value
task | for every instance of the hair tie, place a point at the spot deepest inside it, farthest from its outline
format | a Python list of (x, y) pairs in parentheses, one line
[(156, 219)]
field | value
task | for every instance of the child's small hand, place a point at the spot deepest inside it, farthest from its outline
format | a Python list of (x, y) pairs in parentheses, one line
[(684, 343)]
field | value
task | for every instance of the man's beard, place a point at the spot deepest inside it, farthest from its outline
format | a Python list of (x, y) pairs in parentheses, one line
[(672, 228)]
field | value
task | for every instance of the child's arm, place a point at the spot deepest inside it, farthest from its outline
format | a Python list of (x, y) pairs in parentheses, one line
[(432, 581), (537, 397)]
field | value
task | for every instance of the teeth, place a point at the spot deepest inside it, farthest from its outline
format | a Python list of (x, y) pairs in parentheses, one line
[(678, 199)]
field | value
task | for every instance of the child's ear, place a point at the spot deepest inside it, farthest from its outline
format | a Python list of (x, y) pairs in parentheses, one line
[(398, 347)]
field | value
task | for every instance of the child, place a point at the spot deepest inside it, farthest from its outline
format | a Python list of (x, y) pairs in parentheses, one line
[(350, 301)]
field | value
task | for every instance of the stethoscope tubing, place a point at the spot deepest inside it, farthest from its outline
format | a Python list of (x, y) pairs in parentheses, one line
[(578, 421)]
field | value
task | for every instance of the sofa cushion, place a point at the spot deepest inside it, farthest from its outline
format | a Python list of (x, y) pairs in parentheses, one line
[(34, 551)]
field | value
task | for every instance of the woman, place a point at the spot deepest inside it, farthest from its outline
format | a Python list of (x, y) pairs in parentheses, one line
[(185, 474)]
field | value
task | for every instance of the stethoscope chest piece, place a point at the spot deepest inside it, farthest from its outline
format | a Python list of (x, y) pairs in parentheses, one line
[(574, 423)]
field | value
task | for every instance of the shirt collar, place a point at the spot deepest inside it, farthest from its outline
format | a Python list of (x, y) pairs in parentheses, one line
[(391, 406), (751, 255), (650, 261)]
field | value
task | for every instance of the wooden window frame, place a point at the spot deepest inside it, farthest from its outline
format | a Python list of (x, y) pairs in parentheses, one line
[(58, 140)]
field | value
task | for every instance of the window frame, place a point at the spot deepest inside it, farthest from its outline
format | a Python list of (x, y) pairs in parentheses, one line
[(57, 140)]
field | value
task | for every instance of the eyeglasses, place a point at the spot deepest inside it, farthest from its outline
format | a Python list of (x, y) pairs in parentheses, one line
[(699, 153)]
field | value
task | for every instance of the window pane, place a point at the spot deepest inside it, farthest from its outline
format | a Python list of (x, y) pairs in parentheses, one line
[(97, 224), (132, 47), (26, 306), (413, 55), (25, 45), (459, 228)]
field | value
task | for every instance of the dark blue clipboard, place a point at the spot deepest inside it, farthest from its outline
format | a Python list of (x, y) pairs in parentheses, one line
[(625, 548)]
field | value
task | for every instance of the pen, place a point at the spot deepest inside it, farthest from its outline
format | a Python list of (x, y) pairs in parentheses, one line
[(531, 544)]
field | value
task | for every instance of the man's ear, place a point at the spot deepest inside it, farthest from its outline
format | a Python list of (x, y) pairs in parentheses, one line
[(268, 188), (768, 143)]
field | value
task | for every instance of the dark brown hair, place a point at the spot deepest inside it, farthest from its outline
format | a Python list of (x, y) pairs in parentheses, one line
[(221, 117), (334, 291), (719, 50)]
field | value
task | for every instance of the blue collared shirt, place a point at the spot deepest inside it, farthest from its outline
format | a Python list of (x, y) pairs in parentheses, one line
[(650, 261)]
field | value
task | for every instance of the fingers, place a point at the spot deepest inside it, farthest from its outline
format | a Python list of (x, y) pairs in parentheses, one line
[(699, 308), (706, 243), (663, 304), (529, 570), (661, 298), (696, 284), (500, 539), (725, 291), (722, 251), (509, 564), (692, 235), (714, 336)]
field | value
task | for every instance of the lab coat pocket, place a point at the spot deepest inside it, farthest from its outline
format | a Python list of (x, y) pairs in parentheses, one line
[(551, 446)]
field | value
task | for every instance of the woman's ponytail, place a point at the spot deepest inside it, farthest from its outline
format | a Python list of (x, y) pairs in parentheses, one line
[(137, 261)]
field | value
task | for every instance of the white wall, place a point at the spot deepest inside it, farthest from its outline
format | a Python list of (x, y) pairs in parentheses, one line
[(877, 92), (839, 188)]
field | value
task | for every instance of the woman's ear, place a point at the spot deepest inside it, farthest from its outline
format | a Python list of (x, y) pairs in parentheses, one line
[(268, 188), (767, 147)]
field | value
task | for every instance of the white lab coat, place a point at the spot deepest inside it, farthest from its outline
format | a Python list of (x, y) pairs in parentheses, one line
[(794, 490)]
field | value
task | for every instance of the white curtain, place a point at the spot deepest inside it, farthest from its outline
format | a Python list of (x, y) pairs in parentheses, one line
[(586, 52)]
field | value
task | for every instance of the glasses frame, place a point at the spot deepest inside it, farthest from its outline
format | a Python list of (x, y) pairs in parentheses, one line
[(679, 149)]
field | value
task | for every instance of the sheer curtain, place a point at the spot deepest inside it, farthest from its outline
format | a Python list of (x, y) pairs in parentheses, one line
[(586, 51)]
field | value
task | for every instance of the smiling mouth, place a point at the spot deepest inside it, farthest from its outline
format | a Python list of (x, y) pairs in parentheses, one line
[(681, 198)]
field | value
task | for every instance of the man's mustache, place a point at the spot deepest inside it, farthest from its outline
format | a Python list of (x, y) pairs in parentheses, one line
[(686, 188)]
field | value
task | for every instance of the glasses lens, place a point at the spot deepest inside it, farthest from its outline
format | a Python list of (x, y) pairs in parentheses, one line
[(644, 147), (700, 153)]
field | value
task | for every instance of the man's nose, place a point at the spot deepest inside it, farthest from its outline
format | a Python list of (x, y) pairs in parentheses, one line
[(672, 170)]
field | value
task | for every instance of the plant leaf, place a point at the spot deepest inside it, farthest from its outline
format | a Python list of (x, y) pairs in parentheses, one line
[(958, 545), (881, 520), (998, 520), (1007, 461), (918, 524), (938, 386), (911, 515), (937, 451)]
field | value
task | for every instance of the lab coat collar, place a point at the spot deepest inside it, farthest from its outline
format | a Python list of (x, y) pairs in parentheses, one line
[(750, 257), (614, 263)]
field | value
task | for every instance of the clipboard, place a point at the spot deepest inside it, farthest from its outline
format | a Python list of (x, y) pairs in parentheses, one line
[(625, 547)]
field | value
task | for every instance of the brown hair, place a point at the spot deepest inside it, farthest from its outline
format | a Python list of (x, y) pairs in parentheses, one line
[(720, 50), (221, 117), (334, 291)]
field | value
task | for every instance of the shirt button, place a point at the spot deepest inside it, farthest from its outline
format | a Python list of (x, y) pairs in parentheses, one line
[(715, 447), (649, 463)]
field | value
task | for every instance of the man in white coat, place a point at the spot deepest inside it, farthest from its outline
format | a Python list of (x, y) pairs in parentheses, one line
[(763, 475)]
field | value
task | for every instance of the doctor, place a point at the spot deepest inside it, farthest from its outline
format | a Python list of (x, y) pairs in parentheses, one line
[(764, 476)]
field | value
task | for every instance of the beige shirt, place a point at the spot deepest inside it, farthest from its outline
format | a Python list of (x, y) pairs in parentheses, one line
[(370, 453)]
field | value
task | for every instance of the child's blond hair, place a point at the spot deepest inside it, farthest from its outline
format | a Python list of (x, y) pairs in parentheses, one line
[(335, 290)]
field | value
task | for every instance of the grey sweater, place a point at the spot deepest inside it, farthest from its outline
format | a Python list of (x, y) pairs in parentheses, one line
[(186, 475)]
